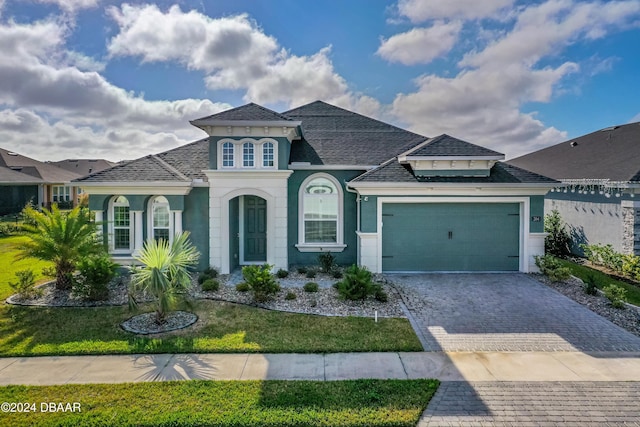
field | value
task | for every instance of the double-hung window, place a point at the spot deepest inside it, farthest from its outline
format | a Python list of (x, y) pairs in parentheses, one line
[(160, 218), (248, 155), (228, 155), (121, 224)]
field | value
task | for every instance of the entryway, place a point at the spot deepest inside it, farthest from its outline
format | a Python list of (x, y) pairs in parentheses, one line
[(248, 230)]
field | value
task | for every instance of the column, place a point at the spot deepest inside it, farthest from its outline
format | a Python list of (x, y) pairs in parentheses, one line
[(177, 221), (137, 232), (99, 218)]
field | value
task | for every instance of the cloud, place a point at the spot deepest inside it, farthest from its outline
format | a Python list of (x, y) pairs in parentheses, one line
[(50, 102), (72, 6), (421, 10), (233, 52), (420, 45), (484, 101)]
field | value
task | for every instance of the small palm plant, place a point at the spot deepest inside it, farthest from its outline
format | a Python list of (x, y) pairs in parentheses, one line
[(61, 237), (164, 273)]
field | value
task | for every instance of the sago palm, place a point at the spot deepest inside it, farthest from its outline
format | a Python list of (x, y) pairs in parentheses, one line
[(164, 273), (61, 237)]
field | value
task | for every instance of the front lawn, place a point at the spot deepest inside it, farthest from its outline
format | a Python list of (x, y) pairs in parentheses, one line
[(222, 327), (9, 265), (602, 280), (227, 403)]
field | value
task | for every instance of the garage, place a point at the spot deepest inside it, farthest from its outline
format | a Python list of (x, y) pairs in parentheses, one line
[(450, 237)]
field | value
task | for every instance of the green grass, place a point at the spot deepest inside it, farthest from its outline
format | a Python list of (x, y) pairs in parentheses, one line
[(9, 265), (227, 403), (603, 279), (222, 327)]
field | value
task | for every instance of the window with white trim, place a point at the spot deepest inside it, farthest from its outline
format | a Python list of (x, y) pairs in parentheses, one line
[(248, 160), (321, 199), (228, 155), (121, 223), (268, 155), (160, 218), (60, 193)]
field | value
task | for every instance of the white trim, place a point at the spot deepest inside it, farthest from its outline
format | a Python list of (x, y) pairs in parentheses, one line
[(427, 189), (319, 247), (150, 227), (129, 189), (243, 174), (525, 212), (111, 226), (308, 166), (245, 123), (302, 244), (409, 157)]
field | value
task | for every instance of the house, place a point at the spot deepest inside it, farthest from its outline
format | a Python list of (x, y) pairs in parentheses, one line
[(24, 180), (601, 174), (282, 188)]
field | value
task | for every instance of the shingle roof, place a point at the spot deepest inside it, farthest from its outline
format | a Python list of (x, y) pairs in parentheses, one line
[(11, 177), (49, 173), (446, 145), (84, 166), (394, 171), (249, 111), (335, 136), (611, 153)]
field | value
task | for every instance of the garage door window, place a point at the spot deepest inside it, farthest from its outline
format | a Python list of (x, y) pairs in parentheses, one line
[(320, 213)]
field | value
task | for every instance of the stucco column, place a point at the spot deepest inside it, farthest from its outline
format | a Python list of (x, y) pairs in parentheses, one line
[(177, 221), (99, 217), (137, 232)]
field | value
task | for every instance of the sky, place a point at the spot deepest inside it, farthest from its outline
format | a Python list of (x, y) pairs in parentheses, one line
[(113, 80)]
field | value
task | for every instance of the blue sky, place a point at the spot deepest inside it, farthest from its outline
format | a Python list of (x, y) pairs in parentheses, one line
[(93, 78)]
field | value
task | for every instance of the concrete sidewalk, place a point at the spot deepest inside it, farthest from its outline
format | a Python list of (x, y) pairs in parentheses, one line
[(470, 367)]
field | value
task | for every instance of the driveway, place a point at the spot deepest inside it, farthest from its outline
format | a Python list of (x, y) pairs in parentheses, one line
[(503, 312)]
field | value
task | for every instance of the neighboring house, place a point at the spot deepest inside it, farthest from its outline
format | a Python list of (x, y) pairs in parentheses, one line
[(83, 167), (47, 183), (601, 174), (282, 188)]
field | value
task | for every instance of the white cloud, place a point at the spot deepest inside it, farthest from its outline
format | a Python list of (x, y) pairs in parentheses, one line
[(483, 102), (424, 10), (233, 52), (420, 45), (72, 5), (54, 109), (635, 118)]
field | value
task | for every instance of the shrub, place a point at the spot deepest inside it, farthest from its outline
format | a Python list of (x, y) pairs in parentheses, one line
[(290, 296), (211, 272), (336, 273), (210, 285), (94, 275), (616, 294), (552, 268), (48, 271), (260, 281), (242, 287), (203, 277), (558, 240), (326, 261), (25, 287), (590, 283), (282, 273), (379, 294), (302, 270), (8, 228), (357, 283), (631, 266), (311, 274), (310, 287), (604, 255)]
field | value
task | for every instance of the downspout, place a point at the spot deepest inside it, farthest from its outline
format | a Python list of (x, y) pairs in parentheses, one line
[(358, 199)]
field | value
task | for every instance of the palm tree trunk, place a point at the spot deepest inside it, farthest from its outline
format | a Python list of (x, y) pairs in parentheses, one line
[(64, 276)]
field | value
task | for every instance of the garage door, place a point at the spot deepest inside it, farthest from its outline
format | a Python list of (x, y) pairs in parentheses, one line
[(450, 237)]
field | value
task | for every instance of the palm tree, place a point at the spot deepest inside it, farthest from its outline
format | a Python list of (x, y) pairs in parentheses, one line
[(165, 272), (61, 237)]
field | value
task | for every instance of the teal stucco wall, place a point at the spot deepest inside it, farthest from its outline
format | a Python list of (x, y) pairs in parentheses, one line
[(195, 219), (349, 255)]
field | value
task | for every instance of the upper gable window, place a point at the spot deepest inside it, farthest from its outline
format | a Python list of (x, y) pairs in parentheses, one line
[(228, 155), (247, 153), (248, 160)]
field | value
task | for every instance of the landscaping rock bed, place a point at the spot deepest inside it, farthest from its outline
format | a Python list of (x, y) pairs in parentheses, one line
[(627, 318), (145, 324)]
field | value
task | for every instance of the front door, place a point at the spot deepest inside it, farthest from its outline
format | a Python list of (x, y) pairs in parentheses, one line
[(255, 229)]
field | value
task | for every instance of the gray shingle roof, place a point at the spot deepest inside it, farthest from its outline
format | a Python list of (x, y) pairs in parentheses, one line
[(49, 173), (393, 171), (335, 136), (611, 153), (84, 167), (446, 145), (249, 111), (11, 177)]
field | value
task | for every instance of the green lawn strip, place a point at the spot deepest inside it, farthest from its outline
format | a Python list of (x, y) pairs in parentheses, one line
[(222, 327), (227, 403), (9, 265), (603, 279)]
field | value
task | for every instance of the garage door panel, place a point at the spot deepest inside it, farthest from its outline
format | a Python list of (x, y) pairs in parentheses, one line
[(450, 237)]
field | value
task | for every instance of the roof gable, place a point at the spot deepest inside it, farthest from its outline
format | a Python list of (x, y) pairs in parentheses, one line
[(612, 153), (10, 176), (248, 112), (48, 172), (446, 145), (83, 167)]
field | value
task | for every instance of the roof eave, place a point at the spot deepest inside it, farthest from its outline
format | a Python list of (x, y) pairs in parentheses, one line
[(251, 123)]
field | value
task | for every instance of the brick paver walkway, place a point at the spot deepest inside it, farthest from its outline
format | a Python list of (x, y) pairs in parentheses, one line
[(503, 312), (534, 404)]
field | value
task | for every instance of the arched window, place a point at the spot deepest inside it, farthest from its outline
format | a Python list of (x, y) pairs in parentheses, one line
[(228, 155), (321, 216), (160, 219), (267, 155), (121, 228), (248, 155)]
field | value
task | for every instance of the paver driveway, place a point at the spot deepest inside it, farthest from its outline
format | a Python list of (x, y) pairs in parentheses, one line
[(503, 312)]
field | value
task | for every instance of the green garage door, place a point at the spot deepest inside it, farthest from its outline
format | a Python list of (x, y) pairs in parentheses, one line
[(450, 237)]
